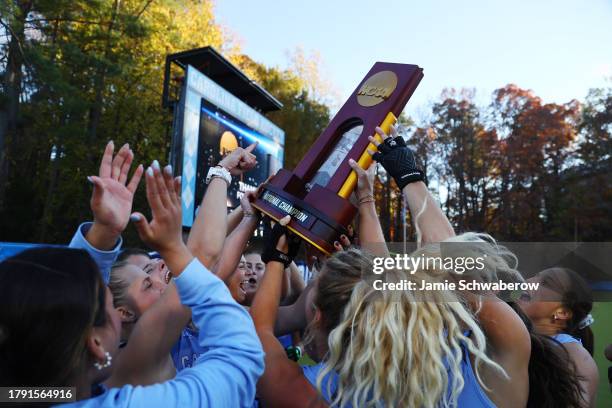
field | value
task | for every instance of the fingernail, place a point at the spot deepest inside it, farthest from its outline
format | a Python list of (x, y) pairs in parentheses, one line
[(150, 171), (155, 164), (134, 217), (111, 142), (351, 161), (168, 170), (179, 178), (90, 179)]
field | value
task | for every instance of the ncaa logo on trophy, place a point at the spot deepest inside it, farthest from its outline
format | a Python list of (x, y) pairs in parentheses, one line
[(317, 192)]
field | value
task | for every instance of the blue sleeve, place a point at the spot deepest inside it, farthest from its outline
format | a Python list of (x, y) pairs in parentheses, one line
[(104, 259), (225, 375)]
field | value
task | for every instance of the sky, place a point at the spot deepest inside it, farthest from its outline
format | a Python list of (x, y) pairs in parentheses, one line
[(559, 49)]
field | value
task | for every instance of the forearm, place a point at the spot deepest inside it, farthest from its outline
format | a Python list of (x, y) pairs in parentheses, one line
[(293, 317), (296, 284), (234, 218), (234, 245), (177, 258), (427, 215), (103, 258), (102, 237), (150, 343), (210, 227), (371, 235), (265, 305)]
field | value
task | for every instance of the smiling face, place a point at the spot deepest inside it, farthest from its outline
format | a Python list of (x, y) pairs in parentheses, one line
[(156, 268)]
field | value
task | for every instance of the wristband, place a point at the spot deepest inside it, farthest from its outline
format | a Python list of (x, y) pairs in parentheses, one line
[(221, 172)]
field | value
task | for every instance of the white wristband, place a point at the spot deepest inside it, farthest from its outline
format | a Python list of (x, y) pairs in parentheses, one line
[(220, 172)]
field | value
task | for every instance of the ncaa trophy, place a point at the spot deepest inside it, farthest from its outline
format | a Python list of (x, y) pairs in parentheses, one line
[(316, 194)]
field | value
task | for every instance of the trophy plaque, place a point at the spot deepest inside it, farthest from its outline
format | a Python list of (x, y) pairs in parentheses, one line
[(316, 194)]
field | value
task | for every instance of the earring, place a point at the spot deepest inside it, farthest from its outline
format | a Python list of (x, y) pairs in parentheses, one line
[(107, 363)]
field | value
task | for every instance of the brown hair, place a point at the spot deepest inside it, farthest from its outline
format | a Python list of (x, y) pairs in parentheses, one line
[(50, 298)]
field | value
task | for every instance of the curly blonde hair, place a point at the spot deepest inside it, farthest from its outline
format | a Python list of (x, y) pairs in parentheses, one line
[(395, 348)]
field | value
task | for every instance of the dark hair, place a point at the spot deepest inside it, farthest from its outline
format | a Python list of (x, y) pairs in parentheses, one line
[(50, 298), (553, 377), (577, 297), (127, 252), (255, 246)]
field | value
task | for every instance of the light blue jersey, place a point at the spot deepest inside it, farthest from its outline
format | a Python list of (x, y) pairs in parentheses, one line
[(104, 259), (225, 375), (564, 338)]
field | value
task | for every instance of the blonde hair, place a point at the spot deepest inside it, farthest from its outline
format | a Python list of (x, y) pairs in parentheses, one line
[(119, 284), (388, 348)]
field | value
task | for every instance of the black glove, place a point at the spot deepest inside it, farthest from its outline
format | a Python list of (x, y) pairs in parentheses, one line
[(398, 161), (270, 252)]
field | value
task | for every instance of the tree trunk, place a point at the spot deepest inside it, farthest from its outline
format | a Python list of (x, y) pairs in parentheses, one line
[(9, 114)]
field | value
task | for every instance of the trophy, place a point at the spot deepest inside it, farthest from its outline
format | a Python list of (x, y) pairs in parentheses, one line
[(316, 194)]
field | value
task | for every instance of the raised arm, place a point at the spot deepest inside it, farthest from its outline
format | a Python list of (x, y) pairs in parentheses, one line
[(398, 160), (226, 374), (209, 229), (370, 232), (157, 330), (111, 205), (237, 240), (283, 383)]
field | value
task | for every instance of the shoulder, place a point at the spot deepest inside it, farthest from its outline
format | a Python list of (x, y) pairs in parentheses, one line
[(504, 329), (584, 361)]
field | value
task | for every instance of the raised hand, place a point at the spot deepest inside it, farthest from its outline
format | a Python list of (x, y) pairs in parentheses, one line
[(112, 197), (397, 158), (365, 180), (281, 246), (164, 232), (249, 197), (240, 160)]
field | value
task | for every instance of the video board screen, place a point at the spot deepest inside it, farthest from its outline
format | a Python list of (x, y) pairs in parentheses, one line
[(220, 133), (210, 122)]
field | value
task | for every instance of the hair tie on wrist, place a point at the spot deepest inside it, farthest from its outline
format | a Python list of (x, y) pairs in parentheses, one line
[(369, 198), (586, 322)]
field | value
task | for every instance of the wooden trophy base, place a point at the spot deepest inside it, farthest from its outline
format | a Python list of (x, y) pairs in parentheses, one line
[(319, 216)]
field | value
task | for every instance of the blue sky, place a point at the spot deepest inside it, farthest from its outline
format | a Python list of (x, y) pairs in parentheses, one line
[(559, 49)]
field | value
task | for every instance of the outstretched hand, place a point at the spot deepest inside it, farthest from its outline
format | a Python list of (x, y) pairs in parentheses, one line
[(249, 197), (396, 157), (365, 179), (112, 197), (164, 232), (240, 160), (281, 246)]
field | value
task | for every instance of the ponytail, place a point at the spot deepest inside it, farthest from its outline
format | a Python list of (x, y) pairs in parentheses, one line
[(586, 338), (553, 377), (578, 298)]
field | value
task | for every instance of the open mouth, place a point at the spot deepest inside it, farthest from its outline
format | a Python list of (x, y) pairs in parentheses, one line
[(167, 276), (243, 285)]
